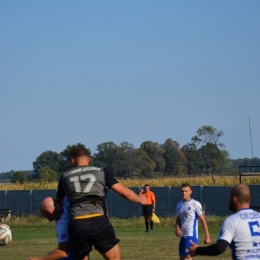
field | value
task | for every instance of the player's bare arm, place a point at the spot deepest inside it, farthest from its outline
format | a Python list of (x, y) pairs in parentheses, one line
[(178, 231), (128, 194), (207, 239)]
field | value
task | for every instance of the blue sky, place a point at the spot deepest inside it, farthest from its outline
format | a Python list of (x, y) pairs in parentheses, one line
[(99, 71)]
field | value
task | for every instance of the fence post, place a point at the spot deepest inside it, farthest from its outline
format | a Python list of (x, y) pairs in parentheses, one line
[(30, 196), (169, 200), (6, 199), (201, 197)]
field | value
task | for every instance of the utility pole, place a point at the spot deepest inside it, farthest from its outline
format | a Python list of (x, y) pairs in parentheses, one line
[(250, 137)]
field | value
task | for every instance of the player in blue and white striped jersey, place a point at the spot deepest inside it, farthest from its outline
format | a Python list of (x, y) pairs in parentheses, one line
[(241, 230), (51, 210), (188, 213)]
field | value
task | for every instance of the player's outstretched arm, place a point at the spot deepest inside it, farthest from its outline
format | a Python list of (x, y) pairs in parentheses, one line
[(128, 194), (57, 254), (212, 250), (205, 227)]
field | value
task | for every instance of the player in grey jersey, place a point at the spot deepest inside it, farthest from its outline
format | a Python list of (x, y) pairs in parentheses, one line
[(85, 188), (241, 230)]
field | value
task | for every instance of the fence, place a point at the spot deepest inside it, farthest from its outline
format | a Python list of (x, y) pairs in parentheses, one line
[(213, 199)]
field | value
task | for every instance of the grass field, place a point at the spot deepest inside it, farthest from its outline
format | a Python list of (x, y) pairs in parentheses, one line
[(36, 237)]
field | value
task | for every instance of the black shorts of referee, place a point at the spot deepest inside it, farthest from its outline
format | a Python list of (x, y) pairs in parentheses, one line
[(85, 233), (148, 210)]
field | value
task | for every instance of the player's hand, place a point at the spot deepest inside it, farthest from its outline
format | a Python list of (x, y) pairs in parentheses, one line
[(142, 200), (207, 240), (192, 249), (178, 232)]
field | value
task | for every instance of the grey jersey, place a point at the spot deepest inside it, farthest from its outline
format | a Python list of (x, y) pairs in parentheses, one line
[(85, 188)]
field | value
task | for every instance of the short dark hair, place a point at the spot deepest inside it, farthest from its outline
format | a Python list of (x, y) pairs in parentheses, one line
[(79, 151), (146, 185), (186, 184)]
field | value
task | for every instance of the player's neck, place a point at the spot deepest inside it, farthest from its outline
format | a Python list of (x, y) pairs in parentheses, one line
[(242, 206), (82, 164)]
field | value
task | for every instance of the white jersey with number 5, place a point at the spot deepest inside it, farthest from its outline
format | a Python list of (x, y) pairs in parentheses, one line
[(242, 231), (189, 211)]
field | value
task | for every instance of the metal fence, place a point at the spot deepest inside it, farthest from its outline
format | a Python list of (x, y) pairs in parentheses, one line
[(213, 199)]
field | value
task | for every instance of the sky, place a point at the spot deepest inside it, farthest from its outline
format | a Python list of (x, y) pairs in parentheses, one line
[(126, 71)]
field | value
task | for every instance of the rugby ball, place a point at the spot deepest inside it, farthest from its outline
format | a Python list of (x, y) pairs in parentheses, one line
[(5, 235)]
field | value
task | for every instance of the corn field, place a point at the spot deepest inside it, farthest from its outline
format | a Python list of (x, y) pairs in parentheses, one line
[(162, 182)]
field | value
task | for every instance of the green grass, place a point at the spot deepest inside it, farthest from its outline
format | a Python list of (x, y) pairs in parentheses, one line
[(37, 237)]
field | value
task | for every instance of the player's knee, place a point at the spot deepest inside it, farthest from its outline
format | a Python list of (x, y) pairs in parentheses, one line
[(112, 254)]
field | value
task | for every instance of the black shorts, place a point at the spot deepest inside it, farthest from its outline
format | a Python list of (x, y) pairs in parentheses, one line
[(85, 233), (148, 210)]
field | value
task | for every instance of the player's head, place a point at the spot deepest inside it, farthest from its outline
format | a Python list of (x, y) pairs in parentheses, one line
[(80, 155), (186, 191), (146, 187), (50, 209), (240, 197)]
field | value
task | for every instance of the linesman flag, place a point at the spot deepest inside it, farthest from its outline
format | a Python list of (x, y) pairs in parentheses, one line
[(155, 218)]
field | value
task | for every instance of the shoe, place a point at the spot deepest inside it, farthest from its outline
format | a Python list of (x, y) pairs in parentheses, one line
[(150, 231), (146, 231)]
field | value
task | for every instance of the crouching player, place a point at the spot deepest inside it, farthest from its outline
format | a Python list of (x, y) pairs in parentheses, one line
[(51, 210)]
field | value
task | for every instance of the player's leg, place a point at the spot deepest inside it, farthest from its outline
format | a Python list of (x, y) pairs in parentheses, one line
[(185, 257), (146, 217), (150, 218), (104, 239), (184, 246), (146, 221), (112, 254), (79, 238)]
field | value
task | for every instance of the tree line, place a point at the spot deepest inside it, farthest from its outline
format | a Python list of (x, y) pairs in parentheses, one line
[(204, 154)]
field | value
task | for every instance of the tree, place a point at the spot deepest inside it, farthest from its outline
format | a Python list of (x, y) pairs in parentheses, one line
[(194, 158), (155, 152), (144, 164), (19, 177), (48, 158), (119, 160), (225, 161), (175, 161), (209, 136), (48, 175), (210, 159)]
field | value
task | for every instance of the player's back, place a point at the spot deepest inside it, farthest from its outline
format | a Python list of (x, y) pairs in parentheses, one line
[(242, 231), (85, 188)]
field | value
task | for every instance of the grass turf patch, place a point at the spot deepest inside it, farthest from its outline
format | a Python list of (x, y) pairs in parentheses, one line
[(36, 237)]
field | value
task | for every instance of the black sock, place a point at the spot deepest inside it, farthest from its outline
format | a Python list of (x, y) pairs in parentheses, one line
[(146, 225), (151, 225)]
